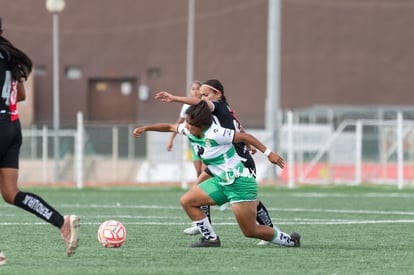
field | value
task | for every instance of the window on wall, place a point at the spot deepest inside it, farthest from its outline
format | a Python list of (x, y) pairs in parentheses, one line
[(126, 88), (40, 70), (73, 72), (154, 72)]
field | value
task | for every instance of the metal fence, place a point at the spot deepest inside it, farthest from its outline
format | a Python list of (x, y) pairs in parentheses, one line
[(350, 151), (356, 151)]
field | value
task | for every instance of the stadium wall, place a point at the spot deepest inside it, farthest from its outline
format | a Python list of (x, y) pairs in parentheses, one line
[(332, 53)]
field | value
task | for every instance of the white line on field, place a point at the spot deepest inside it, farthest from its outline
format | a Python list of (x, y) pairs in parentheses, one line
[(342, 211), (338, 195), (302, 210), (295, 222)]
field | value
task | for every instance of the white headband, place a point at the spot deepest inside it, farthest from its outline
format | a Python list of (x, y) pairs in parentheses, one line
[(211, 87)]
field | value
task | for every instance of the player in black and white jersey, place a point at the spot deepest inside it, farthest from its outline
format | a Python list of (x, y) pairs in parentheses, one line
[(230, 180), (15, 67), (212, 91)]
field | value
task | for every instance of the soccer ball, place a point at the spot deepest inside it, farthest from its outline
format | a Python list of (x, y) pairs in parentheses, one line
[(111, 234)]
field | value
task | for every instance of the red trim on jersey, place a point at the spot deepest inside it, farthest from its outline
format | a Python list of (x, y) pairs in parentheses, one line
[(14, 115), (233, 113)]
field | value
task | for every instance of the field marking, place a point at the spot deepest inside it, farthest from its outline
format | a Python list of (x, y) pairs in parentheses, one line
[(295, 222), (316, 210), (303, 210), (338, 195), (344, 211)]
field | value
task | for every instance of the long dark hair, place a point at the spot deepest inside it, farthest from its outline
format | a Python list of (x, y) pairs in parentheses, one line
[(20, 64), (200, 115)]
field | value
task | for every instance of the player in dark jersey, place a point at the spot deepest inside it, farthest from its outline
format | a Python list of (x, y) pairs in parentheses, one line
[(212, 92), (15, 67)]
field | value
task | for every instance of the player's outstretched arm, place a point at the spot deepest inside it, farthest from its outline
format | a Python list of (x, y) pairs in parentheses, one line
[(167, 97), (171, 141), (160, 127), (249, 139)]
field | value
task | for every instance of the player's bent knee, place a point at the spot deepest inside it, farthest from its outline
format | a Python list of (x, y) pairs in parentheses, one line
[(188, 200), (185, 200)]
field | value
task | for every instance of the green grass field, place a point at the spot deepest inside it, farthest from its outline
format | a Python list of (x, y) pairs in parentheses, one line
[(345, 230)]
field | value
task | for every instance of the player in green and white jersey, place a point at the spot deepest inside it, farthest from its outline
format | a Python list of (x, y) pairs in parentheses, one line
[(231, 181), (212, 91)]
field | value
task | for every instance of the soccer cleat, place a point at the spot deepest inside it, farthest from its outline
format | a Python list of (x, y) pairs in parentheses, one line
[(263, 243), (295, 237), (2, 258), (207, 243), (70, 233), (193, 230)]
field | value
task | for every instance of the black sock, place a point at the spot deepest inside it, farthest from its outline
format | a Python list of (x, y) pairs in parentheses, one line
[(36, 205), (206, 210), (263, 217)]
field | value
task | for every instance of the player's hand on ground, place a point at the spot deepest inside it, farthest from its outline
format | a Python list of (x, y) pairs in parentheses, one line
[(163, 96), (138, 131), (276, 159)]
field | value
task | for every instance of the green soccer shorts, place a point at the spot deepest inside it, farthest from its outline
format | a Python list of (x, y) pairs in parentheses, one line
[(242, 189)]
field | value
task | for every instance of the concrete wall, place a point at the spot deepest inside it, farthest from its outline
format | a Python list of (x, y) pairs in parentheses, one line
[(355, 52)]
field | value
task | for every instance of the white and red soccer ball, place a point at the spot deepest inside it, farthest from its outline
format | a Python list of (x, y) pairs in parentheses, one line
[(111, 233)]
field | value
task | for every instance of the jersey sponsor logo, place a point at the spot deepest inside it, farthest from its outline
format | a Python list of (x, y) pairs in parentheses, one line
[(227, 132), (208, 143), (199, 150)]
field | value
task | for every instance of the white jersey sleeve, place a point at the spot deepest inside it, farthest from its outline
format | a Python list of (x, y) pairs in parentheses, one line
[(182, 130), (183, 110), (222, 135)]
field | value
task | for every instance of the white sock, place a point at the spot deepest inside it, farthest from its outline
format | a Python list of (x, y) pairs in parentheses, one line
[(282, 238), (205, 228)]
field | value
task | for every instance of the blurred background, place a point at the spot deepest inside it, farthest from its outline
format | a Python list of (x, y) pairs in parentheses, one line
[(326, 83)]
